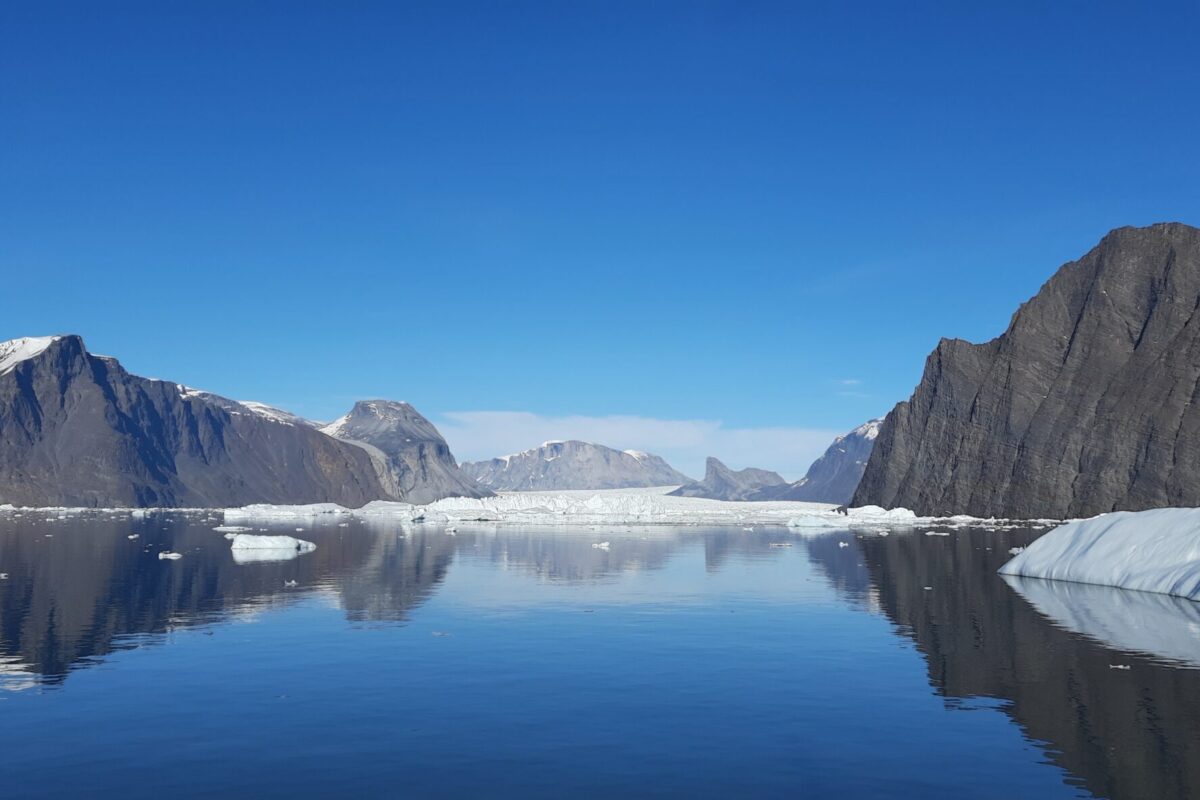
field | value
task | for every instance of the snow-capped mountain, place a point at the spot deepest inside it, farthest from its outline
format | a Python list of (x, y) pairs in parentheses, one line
[(834, 476), (722, 483), (76, 429), (413, 460), (573, 465)]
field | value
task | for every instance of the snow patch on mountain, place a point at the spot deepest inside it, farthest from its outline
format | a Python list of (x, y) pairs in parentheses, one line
[(14, 351)]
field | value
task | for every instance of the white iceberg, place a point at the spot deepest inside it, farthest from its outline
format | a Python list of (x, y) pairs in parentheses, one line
[(268, 512), (248, 547), (1150, 551), (1164, 627)]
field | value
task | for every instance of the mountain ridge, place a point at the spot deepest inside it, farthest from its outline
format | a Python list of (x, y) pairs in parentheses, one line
[(77, 429), (573, 464)]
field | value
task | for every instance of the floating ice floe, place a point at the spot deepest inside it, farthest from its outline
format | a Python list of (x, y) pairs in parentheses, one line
[(231, 529), (1150, 551), (169, 556), (248, 547)]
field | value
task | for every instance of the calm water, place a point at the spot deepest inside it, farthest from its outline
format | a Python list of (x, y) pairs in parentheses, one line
[(679, 662)]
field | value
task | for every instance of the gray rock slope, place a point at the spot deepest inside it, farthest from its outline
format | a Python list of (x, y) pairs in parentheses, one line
[(1089, 402), (411, 457), (76, 429), (834, 476), (722, 483), (573, 465)]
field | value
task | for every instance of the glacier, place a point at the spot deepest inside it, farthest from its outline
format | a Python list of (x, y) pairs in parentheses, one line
[(1149, 551), (604, 507)]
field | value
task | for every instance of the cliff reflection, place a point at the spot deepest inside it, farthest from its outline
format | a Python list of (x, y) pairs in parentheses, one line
[(1125, 733)]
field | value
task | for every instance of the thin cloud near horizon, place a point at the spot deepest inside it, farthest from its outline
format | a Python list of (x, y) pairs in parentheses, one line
[(684, 443)]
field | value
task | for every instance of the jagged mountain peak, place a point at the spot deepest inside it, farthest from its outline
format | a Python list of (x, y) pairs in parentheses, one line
[(722, 483), (411, 456)]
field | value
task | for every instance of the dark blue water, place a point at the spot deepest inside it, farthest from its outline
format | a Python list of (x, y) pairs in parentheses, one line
[(515, 663)]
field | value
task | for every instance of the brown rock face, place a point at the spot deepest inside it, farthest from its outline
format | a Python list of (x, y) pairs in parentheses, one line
[(1089, 402)]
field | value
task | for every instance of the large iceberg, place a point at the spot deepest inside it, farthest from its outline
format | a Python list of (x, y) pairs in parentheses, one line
[(1150, 551)]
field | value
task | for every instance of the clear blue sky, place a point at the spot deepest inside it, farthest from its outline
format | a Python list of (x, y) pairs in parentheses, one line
[(763, 214)]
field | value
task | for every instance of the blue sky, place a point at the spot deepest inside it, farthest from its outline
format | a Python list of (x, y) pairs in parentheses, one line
[(759, 217)]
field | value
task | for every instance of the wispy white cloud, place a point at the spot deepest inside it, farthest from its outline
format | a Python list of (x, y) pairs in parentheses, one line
[(685, 443)]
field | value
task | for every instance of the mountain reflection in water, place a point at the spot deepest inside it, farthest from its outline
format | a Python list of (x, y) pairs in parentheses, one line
[(79, 590)]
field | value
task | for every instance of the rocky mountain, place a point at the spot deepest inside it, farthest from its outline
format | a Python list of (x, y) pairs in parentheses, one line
[(722, 483), (1089, 402), (411, 457), (834, 476), (77, 429), (573, 465)]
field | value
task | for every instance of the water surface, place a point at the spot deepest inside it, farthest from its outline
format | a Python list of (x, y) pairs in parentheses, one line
[(699, 662)]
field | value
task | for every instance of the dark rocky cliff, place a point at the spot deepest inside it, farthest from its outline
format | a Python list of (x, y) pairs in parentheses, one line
[(76, 429), (1088, 403)]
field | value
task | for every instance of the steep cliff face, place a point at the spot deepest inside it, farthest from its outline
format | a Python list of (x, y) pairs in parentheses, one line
[(574, 465), (722, 483), (410, 456), (1088, 403), (76, 429)]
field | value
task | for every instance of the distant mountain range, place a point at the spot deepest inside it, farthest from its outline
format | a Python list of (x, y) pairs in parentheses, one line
[(573, 465), (1088, 403), (831, 479), (77, 429)]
